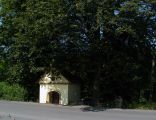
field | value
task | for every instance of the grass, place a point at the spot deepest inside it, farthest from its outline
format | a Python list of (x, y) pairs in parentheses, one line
[(143, 106)]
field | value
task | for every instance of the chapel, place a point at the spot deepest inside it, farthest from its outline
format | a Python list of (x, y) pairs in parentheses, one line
[(59, 90)]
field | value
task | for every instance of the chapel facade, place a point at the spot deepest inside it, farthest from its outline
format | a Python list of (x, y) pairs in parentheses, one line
[(58, 90)]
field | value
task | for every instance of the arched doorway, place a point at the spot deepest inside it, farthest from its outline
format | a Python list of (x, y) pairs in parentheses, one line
[(54, 97)]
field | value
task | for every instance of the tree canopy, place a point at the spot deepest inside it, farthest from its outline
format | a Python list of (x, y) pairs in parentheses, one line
[(109, 45)]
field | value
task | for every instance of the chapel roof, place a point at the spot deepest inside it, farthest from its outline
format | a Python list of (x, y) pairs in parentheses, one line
[(64, 78)]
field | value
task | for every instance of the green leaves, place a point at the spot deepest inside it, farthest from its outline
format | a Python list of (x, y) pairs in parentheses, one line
[(12, 92), (106, 44)]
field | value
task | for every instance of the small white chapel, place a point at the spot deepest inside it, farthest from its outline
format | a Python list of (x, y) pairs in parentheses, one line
[(58, 90)]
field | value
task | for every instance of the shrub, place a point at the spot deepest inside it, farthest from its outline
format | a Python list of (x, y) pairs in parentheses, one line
[(147, 105), (12, 92)]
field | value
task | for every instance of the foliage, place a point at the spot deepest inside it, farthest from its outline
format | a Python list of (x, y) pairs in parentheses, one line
[(12, 92), (107, 44), (147, 106)]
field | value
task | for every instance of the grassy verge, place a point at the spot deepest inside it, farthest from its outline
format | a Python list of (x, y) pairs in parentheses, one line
[(144, 106)]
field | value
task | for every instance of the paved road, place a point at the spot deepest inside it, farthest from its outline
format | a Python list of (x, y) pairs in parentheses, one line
[(34, 111)]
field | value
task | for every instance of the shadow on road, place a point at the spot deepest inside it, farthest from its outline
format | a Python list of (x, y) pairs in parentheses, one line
[(93, 109), (6, 117)]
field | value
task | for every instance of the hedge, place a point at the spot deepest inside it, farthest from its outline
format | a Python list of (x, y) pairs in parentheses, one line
[(12, 92)]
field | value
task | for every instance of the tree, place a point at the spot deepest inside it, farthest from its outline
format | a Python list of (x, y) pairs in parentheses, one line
[(93, 40)]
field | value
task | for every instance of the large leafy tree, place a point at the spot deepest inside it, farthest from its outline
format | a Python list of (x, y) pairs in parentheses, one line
[(113, 32), (105, 43)]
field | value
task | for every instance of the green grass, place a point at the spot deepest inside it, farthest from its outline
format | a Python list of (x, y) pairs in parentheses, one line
[(144, 106)]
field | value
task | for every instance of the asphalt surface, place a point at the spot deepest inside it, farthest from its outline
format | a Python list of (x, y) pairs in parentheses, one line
[(35, 111)]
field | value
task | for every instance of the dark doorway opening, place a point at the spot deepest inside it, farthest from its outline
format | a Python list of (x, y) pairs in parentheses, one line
[(54, 97)]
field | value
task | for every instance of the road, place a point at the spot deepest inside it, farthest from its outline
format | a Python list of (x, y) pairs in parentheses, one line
[(35, 111)]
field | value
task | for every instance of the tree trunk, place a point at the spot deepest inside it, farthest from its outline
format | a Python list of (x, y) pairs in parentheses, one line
[(152, 78), (96, 89)]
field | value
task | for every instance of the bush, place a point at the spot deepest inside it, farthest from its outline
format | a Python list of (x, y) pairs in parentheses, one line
[(147, 106), (12, 92)]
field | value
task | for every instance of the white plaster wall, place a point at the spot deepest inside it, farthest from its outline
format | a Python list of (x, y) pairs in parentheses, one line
[(60, 88), (43, 93), (74, 94)]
